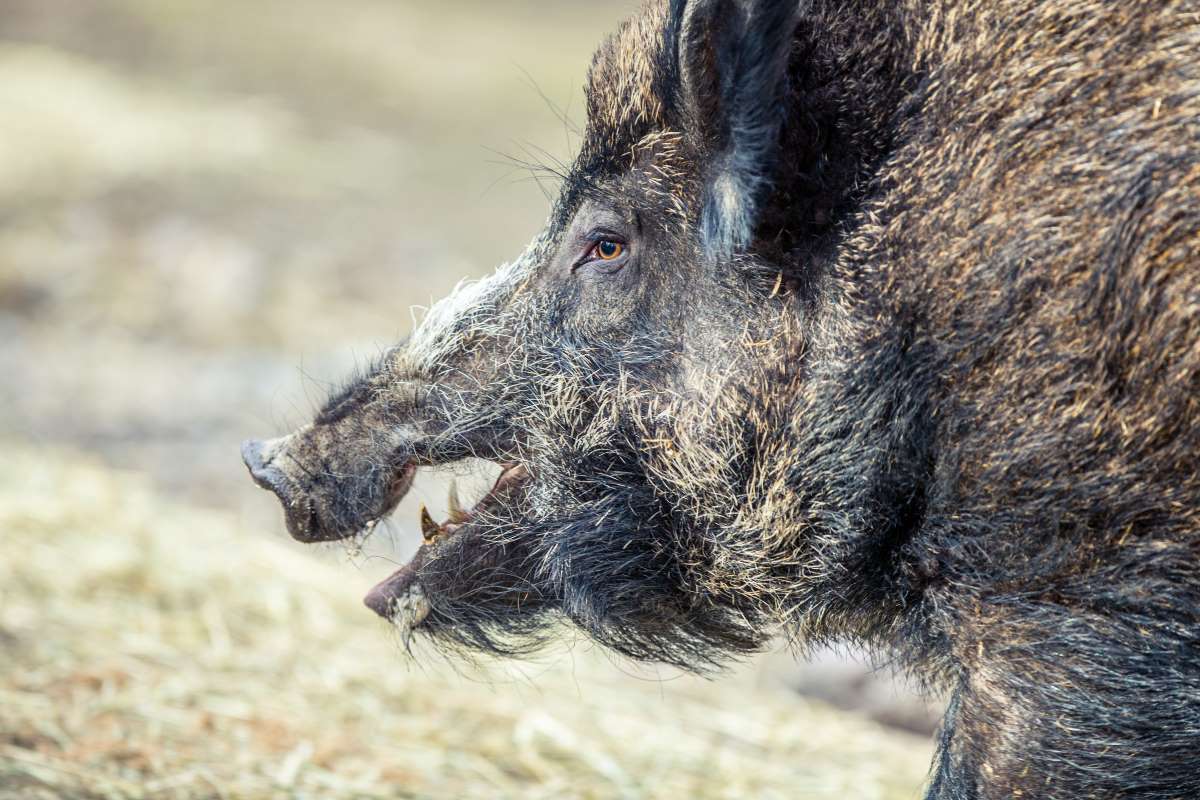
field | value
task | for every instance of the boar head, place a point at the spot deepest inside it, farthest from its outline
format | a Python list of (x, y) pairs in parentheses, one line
[(633, 371)]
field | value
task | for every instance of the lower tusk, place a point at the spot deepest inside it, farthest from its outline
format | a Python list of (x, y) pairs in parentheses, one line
[(430, 530)]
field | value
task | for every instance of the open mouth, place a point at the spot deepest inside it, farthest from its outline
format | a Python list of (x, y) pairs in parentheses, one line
[(350, 506), (511, 476), (398, 597)]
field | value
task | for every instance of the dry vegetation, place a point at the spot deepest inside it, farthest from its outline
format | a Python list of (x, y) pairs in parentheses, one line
[(150, 649)]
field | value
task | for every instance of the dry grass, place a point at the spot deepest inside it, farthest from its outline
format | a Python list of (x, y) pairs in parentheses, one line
[(149, 649)]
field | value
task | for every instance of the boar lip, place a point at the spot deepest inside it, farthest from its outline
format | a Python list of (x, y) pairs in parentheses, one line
[(396, 490), (304, 523), (383, 596), (399, 487)]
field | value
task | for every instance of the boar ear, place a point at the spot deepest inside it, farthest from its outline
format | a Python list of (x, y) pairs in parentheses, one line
[(733, 58)]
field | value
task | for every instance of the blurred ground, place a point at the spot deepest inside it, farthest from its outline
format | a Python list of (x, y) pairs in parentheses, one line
[(208, 213)]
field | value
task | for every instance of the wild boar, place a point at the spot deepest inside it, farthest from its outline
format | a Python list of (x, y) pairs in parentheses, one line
[(854, 320)]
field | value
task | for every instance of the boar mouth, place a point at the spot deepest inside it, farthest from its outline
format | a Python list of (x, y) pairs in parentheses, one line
[(329, 504), (512, 475), (399, 597)]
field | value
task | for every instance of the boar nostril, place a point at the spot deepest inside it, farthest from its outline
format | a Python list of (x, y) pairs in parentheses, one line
[(252, 454), (267, 477), (301, 517)]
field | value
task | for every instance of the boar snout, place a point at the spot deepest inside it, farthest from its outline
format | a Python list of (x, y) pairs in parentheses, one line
[(329, 488), (258, 457)]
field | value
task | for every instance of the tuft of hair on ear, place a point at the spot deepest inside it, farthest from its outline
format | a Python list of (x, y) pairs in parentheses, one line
[(732, 59)]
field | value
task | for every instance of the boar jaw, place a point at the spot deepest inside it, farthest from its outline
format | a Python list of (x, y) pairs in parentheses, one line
[(399, 597)]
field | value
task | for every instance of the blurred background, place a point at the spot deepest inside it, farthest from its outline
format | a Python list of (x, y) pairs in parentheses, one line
[(209, 212)]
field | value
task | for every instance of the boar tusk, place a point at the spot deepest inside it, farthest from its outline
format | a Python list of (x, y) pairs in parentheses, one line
[(429, 529)]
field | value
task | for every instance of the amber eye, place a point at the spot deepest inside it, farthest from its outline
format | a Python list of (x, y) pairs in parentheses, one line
[(608, 250)]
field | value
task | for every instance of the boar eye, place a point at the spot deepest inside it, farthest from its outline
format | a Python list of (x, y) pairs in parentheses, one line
[(601, 250), (608, 250), (605, 254)]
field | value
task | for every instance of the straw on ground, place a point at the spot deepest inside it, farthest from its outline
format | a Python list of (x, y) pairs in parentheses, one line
[(152, 650)]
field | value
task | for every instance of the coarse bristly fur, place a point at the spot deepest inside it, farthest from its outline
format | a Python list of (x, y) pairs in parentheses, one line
[(900, 346)]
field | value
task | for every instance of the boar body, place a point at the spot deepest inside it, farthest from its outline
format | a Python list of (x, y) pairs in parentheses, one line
[(854, 321)]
